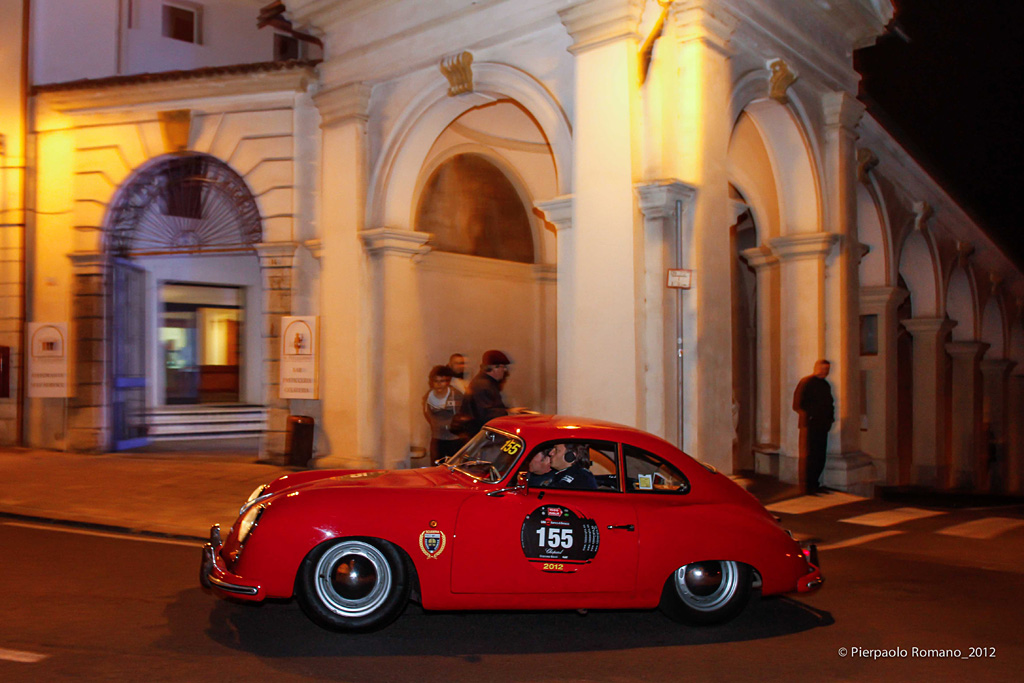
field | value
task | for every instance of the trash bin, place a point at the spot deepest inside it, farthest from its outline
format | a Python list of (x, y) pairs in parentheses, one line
[(300, 440)]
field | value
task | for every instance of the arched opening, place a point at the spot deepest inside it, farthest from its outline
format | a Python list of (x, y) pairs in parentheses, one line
[(488, 279), (471, 207), (184, 297), (905, 391)]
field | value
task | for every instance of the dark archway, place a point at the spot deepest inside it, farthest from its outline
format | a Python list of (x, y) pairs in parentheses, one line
[(471, 207)]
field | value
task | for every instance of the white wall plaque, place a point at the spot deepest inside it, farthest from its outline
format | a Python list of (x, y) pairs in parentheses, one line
[(679, 278), (48, 360), (300, 357)]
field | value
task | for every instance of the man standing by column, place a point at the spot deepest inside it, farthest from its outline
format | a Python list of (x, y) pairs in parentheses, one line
[(813, 401)]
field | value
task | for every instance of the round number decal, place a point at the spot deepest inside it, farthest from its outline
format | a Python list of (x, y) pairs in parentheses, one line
[(554, 532)]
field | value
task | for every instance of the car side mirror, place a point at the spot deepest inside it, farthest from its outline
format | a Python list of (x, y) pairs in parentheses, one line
[(523, 481)]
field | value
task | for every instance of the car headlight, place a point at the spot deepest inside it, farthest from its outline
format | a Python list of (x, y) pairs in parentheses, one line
[(253, 498), (249, 521)]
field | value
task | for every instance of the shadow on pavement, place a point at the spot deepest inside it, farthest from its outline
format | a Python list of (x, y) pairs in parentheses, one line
[(280, 630)]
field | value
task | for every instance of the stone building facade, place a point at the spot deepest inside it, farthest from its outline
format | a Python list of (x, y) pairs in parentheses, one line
[(454, 176)]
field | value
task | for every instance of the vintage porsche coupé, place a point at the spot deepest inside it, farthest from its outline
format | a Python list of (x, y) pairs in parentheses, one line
[(656, 528)]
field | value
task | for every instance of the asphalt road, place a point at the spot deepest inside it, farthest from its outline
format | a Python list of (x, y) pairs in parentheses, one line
[(78, 606)]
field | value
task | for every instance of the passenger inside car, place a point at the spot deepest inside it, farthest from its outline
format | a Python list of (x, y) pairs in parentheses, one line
[(570, 466)]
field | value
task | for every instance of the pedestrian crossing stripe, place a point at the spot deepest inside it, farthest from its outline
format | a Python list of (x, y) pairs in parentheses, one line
[(986, 528), (804, 504), (892, 517)]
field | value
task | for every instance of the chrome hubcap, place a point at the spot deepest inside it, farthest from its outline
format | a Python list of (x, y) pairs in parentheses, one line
[(353, 579), (706, 586)]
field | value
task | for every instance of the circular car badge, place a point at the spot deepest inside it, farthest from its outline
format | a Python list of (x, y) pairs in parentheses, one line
[(556, 533)]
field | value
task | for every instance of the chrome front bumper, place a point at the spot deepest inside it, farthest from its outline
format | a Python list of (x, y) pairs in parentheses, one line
[(213, 574)]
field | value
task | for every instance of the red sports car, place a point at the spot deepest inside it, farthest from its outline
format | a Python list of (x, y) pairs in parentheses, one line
[(629, 521)]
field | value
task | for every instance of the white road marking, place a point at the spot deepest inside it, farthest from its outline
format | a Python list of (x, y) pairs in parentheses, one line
[(892, 517), (986, 528), (21, 656), (859, 540), (803, 504), (104, 534)]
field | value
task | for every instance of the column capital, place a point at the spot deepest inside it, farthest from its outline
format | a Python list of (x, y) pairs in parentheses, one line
[(84, 262), (315, 247), (545, 272), (1000, 367), (760, 258), (593, 23), (343, 103), (842, 110), (809, 245), (967, 350), (557, 211), (925, 328), (387, 241), (880, 297), (276, 254), (658, 197), (705, 21)]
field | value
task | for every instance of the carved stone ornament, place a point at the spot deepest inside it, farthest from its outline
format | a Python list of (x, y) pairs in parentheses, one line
[(175, 126), (458, 69), (780, 81), (922, 212), (964, 250), (866, 160)]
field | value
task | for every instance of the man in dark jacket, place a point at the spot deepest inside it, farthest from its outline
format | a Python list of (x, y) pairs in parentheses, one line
[(483, 399), (813, 401), (568, 468)]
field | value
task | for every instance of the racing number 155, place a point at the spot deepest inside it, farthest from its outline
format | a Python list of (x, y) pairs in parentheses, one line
[(555, 537)]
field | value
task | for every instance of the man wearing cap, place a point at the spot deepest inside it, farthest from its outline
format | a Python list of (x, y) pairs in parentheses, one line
[(483, 399)]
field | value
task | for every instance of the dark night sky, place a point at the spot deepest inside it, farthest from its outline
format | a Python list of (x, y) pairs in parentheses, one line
[(953, 96)]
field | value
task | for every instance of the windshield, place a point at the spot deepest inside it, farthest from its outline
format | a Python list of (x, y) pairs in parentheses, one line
[(488, 456)]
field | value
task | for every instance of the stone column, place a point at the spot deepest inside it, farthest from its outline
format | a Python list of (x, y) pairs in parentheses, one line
[(276, 274), (350, 427), (88, 422), (662, 203), (558, 212), (399, 333), (698, 127), (930, 465), (598, 288), (967, 445), (1015, 454), (882, 434), (849, 468), (995, 373), (802, 330), (766, 268)]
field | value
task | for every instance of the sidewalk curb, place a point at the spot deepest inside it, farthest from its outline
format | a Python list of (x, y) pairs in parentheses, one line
[(95, 526)]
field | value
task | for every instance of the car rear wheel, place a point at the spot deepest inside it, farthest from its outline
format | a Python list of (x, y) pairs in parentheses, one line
[(353, 584), (706, 592)]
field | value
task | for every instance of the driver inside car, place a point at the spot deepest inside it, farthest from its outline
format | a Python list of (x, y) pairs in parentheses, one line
[(569, 470)]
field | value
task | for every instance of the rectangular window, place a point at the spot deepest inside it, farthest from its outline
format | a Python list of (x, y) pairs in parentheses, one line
[(183, 22), (285, 48), (869, 335)]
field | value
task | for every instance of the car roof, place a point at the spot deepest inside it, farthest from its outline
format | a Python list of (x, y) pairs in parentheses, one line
[(546, 427)]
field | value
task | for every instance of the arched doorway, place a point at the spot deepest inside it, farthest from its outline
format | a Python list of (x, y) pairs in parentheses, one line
[(183, 294)]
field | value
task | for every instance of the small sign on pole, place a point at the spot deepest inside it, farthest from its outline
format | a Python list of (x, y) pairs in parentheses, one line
[(679, 278), (48, 360), (300, 349)]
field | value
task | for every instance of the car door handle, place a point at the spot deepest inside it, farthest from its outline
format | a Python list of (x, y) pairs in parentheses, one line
[(627, 527)]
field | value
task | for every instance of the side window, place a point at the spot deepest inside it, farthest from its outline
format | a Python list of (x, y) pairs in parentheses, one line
[(599, 458), (647, 473)]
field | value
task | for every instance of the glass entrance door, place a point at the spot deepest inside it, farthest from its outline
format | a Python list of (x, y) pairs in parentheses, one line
[(199, 333)]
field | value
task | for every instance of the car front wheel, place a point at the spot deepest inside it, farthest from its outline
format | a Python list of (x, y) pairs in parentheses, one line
[(353, 584), (706, 592)]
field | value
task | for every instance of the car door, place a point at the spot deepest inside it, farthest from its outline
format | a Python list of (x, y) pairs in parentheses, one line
[(545, 541)]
